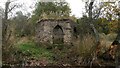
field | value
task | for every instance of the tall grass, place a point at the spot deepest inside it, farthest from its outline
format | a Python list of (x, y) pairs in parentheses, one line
[(86, 46), (84, 49)]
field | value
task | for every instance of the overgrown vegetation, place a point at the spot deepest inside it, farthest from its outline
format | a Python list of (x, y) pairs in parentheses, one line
[(20, 48), (32, 50)]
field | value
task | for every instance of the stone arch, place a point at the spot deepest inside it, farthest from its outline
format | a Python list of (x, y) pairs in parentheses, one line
[(58, 35)]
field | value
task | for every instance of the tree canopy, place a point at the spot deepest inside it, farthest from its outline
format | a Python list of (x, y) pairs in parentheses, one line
[(53, 10)]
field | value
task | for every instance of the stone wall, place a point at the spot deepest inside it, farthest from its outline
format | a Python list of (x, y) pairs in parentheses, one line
[(44, 30)]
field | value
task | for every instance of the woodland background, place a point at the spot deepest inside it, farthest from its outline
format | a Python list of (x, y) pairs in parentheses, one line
[(101, 23)]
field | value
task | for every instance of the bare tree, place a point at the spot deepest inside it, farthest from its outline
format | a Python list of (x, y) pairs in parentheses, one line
[(5, 22), (94, 31), (89, 10), (91, 22), (5, 19)]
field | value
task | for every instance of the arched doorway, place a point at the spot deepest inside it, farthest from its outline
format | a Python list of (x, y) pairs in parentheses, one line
[(58, 35)]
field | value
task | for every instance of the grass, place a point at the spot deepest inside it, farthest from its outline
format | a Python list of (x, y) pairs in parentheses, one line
[(83, 49), (30, 49)]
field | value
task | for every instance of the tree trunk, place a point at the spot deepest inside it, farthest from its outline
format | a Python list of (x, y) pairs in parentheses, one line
[(94, 31), (91, 23), (5, 23)]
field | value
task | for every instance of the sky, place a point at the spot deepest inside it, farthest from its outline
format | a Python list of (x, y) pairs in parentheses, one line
[(77, 6)]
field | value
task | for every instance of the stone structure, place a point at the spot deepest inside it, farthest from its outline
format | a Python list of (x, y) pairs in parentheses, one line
[(55, 31)]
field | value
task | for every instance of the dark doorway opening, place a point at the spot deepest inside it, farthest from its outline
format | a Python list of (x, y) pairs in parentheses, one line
[(58, 35), (75, 32)]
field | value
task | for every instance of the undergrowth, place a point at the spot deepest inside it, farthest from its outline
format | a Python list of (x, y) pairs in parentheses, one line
[(31, 50)]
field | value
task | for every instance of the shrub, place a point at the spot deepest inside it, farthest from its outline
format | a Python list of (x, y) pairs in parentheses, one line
[(86, 47)]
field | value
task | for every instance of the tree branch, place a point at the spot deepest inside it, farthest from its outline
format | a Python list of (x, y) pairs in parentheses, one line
[(96, 16), (11, 8)]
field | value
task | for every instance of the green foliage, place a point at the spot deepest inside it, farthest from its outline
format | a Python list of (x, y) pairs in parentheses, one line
[(102, 25), (84, 26), (50, 10), (31, 50), (105, 26), (20, 25)]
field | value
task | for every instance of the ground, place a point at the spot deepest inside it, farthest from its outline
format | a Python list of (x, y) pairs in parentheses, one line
[(28, 53)]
